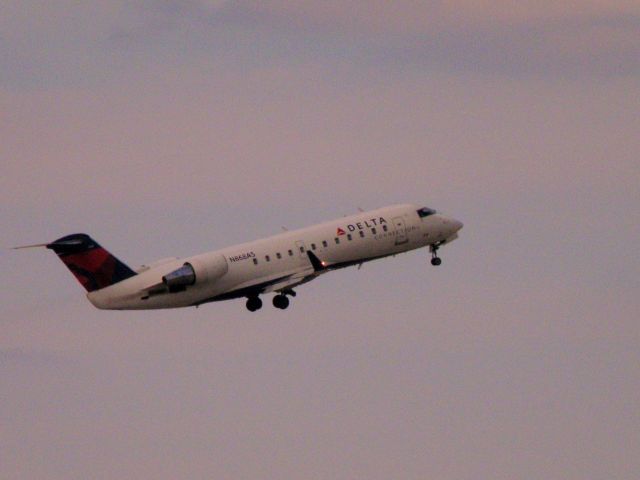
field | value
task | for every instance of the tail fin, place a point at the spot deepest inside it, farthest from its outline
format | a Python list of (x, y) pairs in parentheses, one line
[(92, 265)]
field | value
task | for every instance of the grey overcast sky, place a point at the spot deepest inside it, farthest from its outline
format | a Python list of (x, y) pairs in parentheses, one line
[(168, 128)]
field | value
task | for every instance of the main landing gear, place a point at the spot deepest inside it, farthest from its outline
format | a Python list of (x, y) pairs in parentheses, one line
[(435, 259), (254, 303), (279, 301)]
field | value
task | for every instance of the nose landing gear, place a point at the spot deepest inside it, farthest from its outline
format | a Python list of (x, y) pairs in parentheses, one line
[(435, 259)]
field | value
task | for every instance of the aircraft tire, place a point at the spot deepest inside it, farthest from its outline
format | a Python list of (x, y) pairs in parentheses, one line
[(280, 301), (435, 261), (254, 303)]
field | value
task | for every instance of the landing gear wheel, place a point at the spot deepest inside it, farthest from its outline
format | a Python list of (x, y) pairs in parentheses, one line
[(254, 303), (435, 259), (280, 301)]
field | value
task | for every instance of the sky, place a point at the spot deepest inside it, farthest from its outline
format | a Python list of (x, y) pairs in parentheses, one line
[(166, 128)]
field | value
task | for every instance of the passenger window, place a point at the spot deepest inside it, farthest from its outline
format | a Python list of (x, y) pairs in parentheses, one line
[(301, 249), (337, 241), (361, 234), (373, 230), (266, 257), (324, 243), (384, 227), (278, 255), (313, 246), (291, 253), (255, 261), (349, 237)]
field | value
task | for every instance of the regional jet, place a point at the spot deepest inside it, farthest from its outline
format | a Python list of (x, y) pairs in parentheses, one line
[(276, 264)]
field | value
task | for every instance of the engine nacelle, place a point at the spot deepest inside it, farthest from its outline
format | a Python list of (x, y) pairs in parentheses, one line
[(180, 279), (200, 270)]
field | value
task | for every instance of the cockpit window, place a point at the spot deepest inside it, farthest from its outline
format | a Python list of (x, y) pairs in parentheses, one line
[(425, 212)]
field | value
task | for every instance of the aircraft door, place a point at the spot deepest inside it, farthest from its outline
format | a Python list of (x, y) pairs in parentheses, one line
[(401, 230)]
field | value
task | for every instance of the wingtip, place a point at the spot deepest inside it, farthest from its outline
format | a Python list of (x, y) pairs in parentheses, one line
[(318, 265)]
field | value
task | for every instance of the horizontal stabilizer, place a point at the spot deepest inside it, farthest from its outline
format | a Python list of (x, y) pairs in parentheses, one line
[(30, 246)]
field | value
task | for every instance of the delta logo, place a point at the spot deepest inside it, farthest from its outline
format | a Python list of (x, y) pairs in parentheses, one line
[(372, 222)]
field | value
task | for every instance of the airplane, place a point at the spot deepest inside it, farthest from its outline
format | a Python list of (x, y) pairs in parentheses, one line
[(276, 264)]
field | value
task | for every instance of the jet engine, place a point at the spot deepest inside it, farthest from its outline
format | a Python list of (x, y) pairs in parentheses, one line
[(180, 279), (203, 269)]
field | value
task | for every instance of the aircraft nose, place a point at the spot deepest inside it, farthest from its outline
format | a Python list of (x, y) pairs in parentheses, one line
[(457, 224)]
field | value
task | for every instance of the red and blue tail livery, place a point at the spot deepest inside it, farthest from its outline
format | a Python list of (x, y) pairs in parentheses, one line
[(92, 265)]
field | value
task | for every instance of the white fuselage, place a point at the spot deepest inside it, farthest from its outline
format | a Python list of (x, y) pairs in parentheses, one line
[(281, 262)]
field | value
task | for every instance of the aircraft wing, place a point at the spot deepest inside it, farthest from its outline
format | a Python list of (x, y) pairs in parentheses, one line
[(278, 281), (290, 282), (272, 283)]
